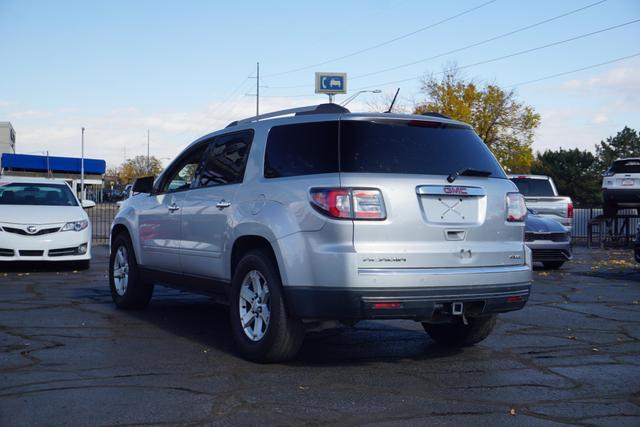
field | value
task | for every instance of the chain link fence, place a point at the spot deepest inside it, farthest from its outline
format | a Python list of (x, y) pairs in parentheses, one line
[(101, 217)]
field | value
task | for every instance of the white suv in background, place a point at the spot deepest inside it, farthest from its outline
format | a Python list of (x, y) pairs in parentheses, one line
[(621, 185)]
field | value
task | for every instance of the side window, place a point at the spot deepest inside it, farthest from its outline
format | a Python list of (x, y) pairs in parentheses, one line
[(181, 176), (225, 160), (301, 149)]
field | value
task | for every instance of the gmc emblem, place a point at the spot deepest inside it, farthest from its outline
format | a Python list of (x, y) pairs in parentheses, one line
[(460, 191)]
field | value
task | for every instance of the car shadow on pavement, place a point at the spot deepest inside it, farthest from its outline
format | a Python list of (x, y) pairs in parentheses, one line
[(37, 267), (203, 321)]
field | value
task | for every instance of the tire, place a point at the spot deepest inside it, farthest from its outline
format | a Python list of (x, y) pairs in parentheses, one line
[(460, 335), (552, 265), (283, 334), (610, 209), (134, 292), (82, 265)]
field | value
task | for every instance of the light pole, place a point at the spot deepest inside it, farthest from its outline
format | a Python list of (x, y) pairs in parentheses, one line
[(355, 95), (82, 170)]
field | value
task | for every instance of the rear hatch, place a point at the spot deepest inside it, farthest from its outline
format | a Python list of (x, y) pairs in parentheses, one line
[(430, 222)]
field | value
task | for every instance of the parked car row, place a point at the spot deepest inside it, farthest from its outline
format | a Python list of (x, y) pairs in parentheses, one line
[(306, 218)]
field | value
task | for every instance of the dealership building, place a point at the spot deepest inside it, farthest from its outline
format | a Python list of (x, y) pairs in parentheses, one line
[(67, 168)]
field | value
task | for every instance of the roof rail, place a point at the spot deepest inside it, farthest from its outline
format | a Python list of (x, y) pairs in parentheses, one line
[(434, 114), (300, 111)]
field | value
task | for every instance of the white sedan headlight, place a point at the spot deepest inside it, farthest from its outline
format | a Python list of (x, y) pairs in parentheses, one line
[(76, 225)]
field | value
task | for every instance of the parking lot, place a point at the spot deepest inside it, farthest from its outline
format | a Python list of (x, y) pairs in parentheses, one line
[(68, 356)]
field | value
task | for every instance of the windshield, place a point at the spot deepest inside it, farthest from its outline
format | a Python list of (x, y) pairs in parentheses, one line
[(36, 194), (534, 187), (415, 147)]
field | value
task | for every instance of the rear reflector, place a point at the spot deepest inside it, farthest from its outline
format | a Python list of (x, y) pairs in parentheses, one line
[(385, 305), (515, 299), (570, 210)]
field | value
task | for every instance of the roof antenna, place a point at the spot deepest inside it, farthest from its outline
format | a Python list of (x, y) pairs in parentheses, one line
[(393, 102)]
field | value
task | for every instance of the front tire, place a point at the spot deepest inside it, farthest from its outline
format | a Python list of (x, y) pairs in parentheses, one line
[(261, 326), (460, 335), (128, 288)]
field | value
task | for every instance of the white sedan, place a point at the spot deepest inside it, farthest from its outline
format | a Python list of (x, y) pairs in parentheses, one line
[(42, 220)]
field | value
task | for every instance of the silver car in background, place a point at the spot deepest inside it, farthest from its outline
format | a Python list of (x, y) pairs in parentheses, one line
[(304, 218)]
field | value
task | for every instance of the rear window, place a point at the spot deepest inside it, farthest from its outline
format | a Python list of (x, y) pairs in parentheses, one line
[(36, 194), (534, 187), (626, 166), (427, 148)]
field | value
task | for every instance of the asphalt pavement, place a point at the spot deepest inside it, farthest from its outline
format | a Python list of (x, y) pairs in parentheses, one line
[(69, 357)]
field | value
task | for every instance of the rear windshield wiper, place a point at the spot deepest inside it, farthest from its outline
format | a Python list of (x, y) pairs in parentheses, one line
[(467, 172)]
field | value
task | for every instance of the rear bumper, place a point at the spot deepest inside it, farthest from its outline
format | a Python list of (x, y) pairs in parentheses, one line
[(630, 195), (404, 303)]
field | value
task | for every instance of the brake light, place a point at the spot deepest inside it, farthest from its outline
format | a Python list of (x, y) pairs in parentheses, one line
[(516, 208), (349, 203), (570, 210)]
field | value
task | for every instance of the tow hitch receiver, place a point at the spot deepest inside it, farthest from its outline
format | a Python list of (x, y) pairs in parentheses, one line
[(457, 308)]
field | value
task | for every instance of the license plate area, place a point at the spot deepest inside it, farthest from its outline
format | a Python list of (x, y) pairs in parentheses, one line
[(449, 205)]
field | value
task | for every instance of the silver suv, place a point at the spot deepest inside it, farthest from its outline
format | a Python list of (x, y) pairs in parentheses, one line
[(304, 218)]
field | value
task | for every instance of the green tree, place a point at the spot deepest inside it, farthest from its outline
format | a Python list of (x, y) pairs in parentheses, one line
[(505, 124), (138, 167), (575, 173), (625, 144)]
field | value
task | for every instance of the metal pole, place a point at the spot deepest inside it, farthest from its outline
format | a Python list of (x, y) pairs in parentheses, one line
[(148, 157), (330, 98), (82, 170), (257, 88)]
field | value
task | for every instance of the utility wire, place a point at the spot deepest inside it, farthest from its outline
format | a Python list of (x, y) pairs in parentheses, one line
[(564, 73), (384, 43), (511, 55), (469, 46), (507, 34)]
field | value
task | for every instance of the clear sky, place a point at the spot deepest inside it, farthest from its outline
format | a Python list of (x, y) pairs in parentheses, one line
[(184, 68)]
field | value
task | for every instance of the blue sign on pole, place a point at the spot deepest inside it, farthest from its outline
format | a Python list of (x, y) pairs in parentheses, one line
[(331, 83)]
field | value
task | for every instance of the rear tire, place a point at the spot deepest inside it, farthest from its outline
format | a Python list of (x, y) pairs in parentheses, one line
[(261, 326), (552, 265), (128, 287), (460, 335), (610, 209)]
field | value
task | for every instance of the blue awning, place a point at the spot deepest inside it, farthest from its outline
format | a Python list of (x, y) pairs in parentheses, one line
[(28, 162)]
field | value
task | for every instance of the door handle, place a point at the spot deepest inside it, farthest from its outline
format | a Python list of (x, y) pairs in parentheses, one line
[(223, 204), (173, 207)]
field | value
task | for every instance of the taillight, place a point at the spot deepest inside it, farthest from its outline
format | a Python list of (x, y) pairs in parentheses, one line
[(516, 208), (570, 210), (349, 203)]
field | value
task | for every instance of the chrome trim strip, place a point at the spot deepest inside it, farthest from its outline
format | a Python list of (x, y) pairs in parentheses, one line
[(441, 271), (450, 190)]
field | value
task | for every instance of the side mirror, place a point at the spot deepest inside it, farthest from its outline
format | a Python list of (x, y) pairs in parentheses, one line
[(88, 204), (143, 185)]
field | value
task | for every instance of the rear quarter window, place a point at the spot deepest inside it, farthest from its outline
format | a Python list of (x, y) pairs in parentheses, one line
[(301, 149)]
